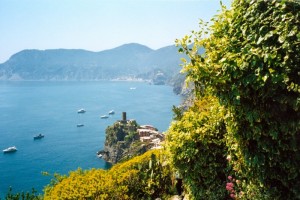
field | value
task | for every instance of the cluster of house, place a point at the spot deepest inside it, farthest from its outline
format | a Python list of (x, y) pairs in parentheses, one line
[(149, 134)]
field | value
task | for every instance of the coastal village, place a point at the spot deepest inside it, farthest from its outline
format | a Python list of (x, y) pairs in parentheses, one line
[(148, 133), (125, 139)]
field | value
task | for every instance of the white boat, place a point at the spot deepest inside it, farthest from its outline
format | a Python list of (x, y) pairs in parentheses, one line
[(80, 125), (81, 111), (99, 155), (10, 149), (132, 88), (104, 117), (39, 136), (111, 112)]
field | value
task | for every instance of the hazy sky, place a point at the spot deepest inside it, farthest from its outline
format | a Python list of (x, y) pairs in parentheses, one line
[(98, 24)]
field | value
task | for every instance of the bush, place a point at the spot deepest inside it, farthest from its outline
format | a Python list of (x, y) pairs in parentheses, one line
[(143, 177), (251, 65), (22, 195), (197, 149)]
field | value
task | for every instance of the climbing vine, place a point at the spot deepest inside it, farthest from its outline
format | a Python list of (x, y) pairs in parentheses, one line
[(251, 65)]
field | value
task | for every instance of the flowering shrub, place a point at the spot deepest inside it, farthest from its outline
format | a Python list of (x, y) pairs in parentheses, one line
[(230, 187), (142, 177), (244, 190)]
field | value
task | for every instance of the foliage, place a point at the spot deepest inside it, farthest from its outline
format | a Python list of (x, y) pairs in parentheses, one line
[(121, 131), (251, 65), (142, 177), (23, 195), (177, 112), (197, 149), (122, 142)]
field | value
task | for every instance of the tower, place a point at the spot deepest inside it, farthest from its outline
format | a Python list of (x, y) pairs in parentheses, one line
[(124, 117)]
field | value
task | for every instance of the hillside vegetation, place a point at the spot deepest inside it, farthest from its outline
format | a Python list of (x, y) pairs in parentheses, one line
[(143, 177), (241, 138)]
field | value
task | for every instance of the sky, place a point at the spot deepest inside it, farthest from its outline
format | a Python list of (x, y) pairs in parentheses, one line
[(97, 25)]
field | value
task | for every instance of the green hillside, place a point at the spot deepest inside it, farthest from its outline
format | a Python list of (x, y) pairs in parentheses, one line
[(129, 61)]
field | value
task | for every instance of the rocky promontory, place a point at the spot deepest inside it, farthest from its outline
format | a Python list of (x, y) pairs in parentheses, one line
[(126, 139)]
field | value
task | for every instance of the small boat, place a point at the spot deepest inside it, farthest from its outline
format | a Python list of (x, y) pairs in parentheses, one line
[(39, 136), (104, 117), (10, 149), (132, 88), (81, 111), (80, 125), (99, 155), (111, 112)]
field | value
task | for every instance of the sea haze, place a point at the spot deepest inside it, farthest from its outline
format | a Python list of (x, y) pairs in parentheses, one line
[(32, 107)]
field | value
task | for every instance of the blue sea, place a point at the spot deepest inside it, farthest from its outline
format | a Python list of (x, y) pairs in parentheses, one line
[(31, 107)]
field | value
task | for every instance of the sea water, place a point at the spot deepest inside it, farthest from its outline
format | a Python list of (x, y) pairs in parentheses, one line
[(28, 108)]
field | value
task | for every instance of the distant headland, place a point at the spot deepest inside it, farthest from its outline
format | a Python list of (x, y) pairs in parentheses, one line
[(129, 62)]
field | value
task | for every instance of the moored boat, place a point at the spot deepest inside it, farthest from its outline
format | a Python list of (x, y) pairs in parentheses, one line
[(39, 136), (80, 125), (81, 111), (104, 117), (111, 112), (10, 149)]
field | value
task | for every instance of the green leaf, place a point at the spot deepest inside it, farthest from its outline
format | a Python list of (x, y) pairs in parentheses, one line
[(260, 39), (292, 33), (281, 39), (183, 60), (271, 70)]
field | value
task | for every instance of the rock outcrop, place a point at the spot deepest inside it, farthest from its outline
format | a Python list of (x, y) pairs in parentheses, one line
[(123, 140)]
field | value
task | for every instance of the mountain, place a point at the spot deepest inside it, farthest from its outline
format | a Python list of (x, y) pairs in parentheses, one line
[(128, 61)]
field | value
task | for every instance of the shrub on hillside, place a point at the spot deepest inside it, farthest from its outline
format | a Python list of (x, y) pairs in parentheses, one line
[(251, 64), (197, 149), (142, 177)]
